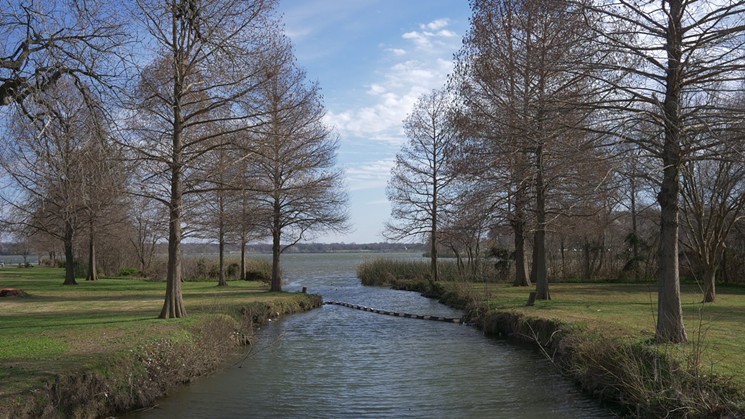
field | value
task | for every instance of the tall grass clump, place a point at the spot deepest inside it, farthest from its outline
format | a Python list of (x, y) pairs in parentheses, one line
[(208, 269), (390, 272)]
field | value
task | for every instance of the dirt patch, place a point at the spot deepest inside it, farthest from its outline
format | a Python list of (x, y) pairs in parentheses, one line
[(12, 292)]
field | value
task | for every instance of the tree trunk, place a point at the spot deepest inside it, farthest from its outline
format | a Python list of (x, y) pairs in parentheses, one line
[(562, 251), (433, 256), (173, 306), (276, 254), (92, 268), (518, 227), (222, 280), (634, 230), (433, 241), (243, 258), (539, 273), (69, 255), (710, 277), (276, 249), (669, 310)]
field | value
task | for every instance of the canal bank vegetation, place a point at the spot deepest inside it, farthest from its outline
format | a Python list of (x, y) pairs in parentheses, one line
[(97, 348), (600, 335)]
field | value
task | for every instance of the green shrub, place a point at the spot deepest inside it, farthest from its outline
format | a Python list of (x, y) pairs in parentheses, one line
[(130, 272)]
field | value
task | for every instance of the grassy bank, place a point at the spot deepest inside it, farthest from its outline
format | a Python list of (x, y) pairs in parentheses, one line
[(97, 348), (600, 335)]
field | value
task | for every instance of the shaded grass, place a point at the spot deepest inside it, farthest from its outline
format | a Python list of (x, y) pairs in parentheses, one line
[(58, 329)]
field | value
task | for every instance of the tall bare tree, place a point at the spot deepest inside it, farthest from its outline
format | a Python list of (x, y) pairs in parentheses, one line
[(420, 180), (207, 70), (49, 161), (245, 210), (148, 222), (293, 154), (103, 192), (713, 194), (519, 83), (679, 54)]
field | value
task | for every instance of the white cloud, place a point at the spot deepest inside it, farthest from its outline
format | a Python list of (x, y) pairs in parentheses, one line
[(376, 89), (391, 99), (370, 175), (435, 24), (396, 51), (431, 34), (420, 38)]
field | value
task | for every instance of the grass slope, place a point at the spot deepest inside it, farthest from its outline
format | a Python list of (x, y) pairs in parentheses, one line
[(59, 329), (616, 310)]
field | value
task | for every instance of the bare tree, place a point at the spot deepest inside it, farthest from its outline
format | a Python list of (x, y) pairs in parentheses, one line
[(49, 162), (103, 193), (293, 155), (679, 54), (207, 71), (519, 84), (420, 180), (713, 194), (245, 211), (149, 225), (210, 215)]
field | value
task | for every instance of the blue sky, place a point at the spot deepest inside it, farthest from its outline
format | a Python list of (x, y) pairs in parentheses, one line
[(373, 59)]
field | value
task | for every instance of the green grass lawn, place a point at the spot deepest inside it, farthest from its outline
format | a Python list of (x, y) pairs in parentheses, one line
[(628, 311), (58, 328)]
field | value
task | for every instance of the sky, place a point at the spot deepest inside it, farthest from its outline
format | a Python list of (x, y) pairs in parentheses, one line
[(372, 59)]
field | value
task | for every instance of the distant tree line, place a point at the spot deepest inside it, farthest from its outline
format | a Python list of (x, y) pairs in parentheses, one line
[(586, 139), (127, 125)]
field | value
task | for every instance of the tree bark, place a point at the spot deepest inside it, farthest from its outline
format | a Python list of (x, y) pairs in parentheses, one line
[(669, 310), (243, 258), (521, 262), (710, 277), (539, 272), (276, 249), (173, 306), (433, 242), (435, 197), (92, 268), (222, 280), (634, 230), (518, 227)]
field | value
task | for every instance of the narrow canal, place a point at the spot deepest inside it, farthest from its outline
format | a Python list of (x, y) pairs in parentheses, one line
[(338, 362)]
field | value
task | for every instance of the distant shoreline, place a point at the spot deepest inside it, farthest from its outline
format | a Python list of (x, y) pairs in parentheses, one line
[(11, 253)]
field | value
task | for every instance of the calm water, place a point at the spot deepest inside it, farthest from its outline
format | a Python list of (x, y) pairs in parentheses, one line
[(339, 362)]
